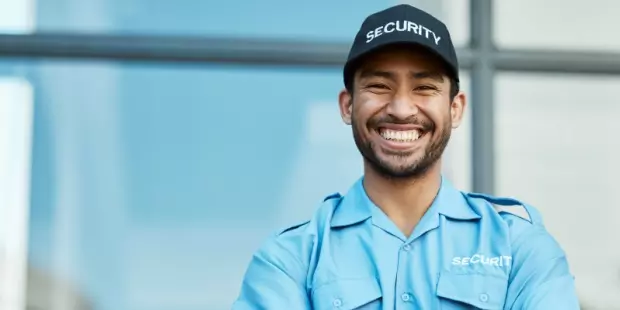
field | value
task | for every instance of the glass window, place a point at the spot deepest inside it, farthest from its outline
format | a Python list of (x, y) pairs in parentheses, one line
[(15, 137), (323, 19), (457, 158), (557, 24), (153, 185), (454, 13), (556, 151), (17, 16), (312, 20)]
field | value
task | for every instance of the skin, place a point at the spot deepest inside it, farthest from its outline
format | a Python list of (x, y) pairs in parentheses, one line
[(402, 88)]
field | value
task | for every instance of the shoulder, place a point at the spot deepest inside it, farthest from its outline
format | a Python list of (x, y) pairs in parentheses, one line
[(295, 241), (289, 241), (509, 208), (283, 251), (524, 222), (520, 217)]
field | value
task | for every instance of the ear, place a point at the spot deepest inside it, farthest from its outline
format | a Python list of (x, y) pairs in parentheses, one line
[(345, 103), (457, 109)]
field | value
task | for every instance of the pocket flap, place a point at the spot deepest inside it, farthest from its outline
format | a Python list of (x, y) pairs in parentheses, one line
[(346, 294), (479, 290)]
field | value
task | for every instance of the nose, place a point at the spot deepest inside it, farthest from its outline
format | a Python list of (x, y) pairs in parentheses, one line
[(402, 107)]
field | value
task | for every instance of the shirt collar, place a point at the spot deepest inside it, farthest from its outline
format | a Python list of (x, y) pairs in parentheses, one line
[(356, 207), (451, 202)]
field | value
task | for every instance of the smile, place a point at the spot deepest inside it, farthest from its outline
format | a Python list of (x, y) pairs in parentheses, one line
[(400, 135), (401, 139)]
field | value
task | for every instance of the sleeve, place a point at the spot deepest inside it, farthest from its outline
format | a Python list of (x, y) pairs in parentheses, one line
[(275, 279), (540, 276)]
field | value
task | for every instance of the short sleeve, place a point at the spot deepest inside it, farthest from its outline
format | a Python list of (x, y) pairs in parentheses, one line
[(540, 277), (276, 275)]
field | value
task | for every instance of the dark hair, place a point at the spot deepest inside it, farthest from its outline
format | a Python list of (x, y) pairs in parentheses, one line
[(455, 87)]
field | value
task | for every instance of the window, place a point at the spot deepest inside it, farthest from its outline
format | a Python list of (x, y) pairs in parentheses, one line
[(454, 13), (321, 20), (17, 16), (137, 168), (15, 140), (557, 24), (555, 150), (457, 159)]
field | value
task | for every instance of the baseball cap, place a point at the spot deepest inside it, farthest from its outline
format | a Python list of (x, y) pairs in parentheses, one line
[(401, 24)]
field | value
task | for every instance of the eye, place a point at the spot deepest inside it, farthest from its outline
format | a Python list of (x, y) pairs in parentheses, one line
[(426, 87), (377, 86)]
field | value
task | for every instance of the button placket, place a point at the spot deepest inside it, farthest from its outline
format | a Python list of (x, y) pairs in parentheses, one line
[(405, 256)]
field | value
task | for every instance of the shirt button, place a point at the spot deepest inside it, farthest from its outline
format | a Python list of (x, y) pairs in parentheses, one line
[(337, 303), (484, 297), (407, 247), (405, 297)]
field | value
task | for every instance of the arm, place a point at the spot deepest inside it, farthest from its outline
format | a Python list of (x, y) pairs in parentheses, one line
[(540, 278), (275, 279)]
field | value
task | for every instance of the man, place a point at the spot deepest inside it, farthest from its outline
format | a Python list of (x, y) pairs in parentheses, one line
[(403, 237)]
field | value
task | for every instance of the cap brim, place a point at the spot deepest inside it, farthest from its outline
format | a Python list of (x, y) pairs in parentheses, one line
[(353, 63)]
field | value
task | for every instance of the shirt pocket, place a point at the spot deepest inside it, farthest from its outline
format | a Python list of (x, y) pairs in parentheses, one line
[(348, 294), (471, 291)]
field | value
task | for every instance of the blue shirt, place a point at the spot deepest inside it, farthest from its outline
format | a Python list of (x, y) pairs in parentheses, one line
[(468, 250)]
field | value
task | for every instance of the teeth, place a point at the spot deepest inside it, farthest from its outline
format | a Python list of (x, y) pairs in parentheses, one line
[(400, 136)]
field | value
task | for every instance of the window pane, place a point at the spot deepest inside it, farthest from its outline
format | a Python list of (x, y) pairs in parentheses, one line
[(17, 16), (457, 158), (557, 24), (555, 150), (321, 20), (454, 13), (153, 185), (15, 137)]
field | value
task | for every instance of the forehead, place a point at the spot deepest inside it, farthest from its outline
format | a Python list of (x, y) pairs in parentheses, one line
[(404, 59)]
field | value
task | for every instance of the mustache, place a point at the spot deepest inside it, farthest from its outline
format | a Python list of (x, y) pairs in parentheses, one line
[(413, 120)]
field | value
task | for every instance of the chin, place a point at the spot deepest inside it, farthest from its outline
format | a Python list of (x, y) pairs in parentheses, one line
[(401, 169)]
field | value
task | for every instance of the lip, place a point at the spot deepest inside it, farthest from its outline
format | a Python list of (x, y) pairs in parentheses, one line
[(402, 127)]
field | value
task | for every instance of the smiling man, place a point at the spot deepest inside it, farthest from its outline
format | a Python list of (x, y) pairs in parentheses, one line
[(403, 237)]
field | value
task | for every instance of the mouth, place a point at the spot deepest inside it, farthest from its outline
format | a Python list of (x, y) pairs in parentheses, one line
[(400, 138)]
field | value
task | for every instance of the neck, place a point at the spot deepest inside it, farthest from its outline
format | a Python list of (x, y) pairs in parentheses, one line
[(405, 200)]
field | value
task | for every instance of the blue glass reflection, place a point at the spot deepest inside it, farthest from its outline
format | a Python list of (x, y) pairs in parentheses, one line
[(320, 19), (153, 185)]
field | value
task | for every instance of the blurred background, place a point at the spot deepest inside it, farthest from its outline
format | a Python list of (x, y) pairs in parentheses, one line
[(148, 147)]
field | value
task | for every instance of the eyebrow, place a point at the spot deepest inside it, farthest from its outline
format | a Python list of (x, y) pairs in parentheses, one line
[(413, 75)]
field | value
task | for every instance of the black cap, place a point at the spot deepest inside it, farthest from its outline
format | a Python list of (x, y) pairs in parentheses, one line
[(401, 24)]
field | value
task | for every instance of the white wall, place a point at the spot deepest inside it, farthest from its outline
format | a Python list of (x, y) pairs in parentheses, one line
[(16, 109)]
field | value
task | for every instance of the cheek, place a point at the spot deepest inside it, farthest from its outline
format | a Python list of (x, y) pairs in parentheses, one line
[(359, 123), (365, 108), (441, 116)]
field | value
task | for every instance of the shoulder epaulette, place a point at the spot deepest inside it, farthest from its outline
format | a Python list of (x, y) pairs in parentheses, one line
[(332, 196), (299, 224), (292, 227), (505, 205)]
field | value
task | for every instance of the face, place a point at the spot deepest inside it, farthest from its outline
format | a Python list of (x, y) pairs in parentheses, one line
[(401, 112)]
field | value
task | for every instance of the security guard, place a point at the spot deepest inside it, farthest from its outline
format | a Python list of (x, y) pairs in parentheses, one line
[(403, 237)]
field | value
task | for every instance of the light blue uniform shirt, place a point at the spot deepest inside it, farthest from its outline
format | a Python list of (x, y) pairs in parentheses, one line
[(468, 251)]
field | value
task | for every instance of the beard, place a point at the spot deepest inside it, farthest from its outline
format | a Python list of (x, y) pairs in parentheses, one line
[(401, 166)]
